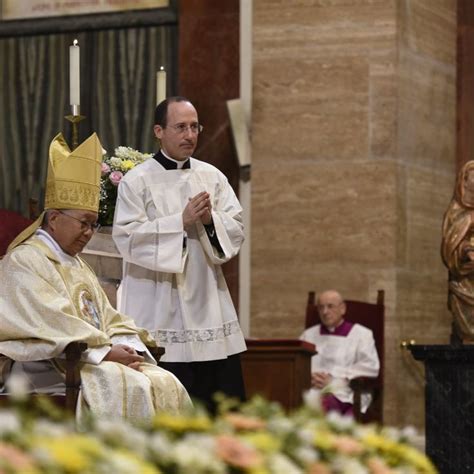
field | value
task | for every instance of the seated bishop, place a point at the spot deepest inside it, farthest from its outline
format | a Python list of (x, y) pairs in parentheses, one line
[(345, 351), (50, 297)]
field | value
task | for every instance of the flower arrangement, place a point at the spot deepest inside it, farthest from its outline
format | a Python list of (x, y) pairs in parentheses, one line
[(255, 438), (112, 171)]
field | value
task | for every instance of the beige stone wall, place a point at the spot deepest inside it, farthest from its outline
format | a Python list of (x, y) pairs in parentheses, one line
[(426, 152), (353, 164)]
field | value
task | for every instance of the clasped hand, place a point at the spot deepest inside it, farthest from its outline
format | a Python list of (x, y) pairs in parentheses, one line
[(198, 208), (125, 355), (320, 379)]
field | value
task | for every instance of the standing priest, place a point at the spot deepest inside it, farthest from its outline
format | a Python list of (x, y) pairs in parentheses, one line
[(177, 221)]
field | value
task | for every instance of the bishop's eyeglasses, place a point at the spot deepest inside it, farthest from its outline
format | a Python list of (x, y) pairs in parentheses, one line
[(85, 226), (182, 128)]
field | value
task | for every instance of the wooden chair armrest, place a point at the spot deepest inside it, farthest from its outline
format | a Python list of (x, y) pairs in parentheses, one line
[(156, 352), (74, 350), (73, 353), (364, 384)]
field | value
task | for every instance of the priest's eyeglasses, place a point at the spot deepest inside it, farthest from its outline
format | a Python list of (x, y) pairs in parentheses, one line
[(85, 226), (182, 128)]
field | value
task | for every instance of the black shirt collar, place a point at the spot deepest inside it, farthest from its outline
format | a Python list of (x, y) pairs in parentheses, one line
[(170, 164)]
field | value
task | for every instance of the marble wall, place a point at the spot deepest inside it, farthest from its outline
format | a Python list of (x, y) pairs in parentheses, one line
[(353, 148)]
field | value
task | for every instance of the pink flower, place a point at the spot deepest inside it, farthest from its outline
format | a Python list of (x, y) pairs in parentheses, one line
[(104, 169), (347, 445), (234, 452), (115, 177), (16, 459), (243, 422)]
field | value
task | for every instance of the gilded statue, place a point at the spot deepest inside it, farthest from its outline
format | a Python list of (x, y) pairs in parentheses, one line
[(457, 251)]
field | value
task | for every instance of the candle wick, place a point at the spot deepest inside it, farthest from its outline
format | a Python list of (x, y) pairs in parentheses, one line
[(75, 42)]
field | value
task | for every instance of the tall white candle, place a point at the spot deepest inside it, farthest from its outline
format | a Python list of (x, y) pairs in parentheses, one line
[(74, 74), (160, 85)]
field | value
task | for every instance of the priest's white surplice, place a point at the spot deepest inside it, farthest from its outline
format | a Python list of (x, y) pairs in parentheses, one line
[(173, 283)]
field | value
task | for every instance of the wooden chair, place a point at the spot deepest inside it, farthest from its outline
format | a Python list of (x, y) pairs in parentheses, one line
[(73, 353), (371, 316)]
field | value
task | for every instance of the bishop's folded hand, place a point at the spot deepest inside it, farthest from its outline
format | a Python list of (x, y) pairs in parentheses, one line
[(125, 355)]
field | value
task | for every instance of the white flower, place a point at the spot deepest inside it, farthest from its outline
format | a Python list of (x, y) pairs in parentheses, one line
[(347, 465), (306, 455), (47, 428), (280, 426), (115, 162), (118, 430), (127, 153), (306, 435), (361, 431), (17, 386), (190, 456), (42, 454), (9, 422), (312, 399), (340, 422), (391, 432), (160, 446), (279, 463), (120, 463), (202, 441), (410, 433)]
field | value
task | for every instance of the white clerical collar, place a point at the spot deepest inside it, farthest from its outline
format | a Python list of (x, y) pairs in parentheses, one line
[(179, 164), (55, 248)]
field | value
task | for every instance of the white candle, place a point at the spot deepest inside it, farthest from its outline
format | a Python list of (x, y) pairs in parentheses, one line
[(160, 85), (74, 74)]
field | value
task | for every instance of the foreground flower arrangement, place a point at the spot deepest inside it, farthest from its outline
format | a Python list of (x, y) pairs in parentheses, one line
[(257, 438), (113, 170)]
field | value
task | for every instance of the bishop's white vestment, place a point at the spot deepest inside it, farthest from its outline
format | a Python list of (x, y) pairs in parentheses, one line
[(173, 284), (49, 299), (346, 353)]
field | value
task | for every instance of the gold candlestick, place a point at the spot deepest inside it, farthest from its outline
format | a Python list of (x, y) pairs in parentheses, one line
[(75, 118)]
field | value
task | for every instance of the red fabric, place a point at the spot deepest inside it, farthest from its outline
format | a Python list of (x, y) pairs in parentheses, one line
[(11, 224)]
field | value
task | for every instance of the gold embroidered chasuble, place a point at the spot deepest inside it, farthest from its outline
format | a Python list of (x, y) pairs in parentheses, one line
[(45, 305)]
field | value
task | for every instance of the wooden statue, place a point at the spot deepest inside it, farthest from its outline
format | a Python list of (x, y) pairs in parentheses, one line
[(457, 251)]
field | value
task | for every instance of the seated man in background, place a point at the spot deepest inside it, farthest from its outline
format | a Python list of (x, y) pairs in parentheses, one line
[(50, 297), (345, 351)]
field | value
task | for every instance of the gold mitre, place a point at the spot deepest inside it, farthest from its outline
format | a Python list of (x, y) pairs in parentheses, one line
[(74, 176), (73, 180)]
